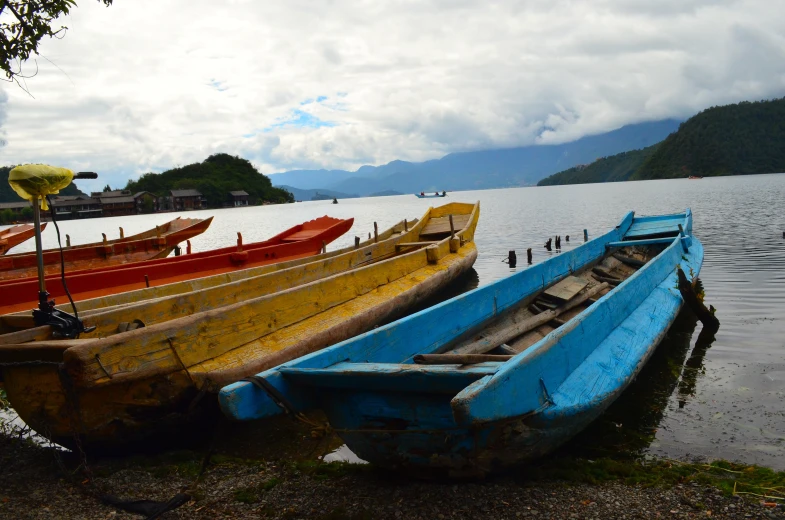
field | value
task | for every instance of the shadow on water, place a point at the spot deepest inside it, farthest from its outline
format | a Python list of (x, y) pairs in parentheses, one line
[(629, 426)]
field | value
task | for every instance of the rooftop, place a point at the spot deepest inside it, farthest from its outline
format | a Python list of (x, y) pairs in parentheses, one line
[(186, 193)]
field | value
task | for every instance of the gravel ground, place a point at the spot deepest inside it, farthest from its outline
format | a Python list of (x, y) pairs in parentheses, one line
[(33, 484)]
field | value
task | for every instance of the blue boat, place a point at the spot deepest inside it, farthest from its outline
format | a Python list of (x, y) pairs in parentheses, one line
[(518, 401), (423, 195)]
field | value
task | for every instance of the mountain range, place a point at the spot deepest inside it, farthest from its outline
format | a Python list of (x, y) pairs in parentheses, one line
[(522, 166), (739, 139)]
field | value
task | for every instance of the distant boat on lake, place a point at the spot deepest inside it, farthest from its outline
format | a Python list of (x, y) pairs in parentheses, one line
[(423, 195), (694, 177)]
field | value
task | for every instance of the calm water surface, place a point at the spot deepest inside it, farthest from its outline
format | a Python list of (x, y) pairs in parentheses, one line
[(696, 397)]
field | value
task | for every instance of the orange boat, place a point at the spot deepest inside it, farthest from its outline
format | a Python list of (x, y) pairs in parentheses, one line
[(15, 235), (154, 243), (300, 241)]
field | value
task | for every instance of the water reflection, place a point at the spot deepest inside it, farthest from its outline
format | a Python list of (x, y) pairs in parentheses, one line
[(629, 426)]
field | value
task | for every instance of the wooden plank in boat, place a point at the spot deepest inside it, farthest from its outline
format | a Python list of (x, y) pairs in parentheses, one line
[(441, 225), (566, 289), (645, 229)]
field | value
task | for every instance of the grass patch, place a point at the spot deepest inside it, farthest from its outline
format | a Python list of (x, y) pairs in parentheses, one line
[(252, 494), (328, 470), (729, 477)]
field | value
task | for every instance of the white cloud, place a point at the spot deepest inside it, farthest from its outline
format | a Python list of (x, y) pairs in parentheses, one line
[(149, 84)]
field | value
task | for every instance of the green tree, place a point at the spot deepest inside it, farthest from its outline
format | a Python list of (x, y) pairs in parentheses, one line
[(148, 204), (107, 188), (25, 24), (27, 212)]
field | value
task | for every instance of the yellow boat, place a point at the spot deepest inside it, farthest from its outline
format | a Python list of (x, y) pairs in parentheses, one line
[(122, 387), (152, 304)]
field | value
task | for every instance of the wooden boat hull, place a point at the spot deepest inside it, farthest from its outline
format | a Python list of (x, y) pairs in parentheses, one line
[(121, 251), (13, 236), (472, 420), (300, 241), (119, 389), (163, 302)]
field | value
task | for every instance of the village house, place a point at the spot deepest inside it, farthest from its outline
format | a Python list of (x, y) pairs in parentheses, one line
[(238, 198), (123, 202), (186, 199), (72, 207), (14, 208)]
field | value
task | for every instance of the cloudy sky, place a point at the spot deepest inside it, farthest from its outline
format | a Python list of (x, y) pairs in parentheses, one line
[(145, 85)]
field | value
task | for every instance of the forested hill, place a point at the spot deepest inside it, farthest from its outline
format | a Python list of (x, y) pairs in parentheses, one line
[(730, 140), (739, 139), (214, 178), (7, 194), (619, 167)]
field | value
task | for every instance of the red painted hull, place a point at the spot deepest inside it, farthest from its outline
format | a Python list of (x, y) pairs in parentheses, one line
[(303, 240), (14, 236), (152, 244)]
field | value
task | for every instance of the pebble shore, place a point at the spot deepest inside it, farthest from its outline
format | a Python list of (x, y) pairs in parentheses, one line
[(36, 483)]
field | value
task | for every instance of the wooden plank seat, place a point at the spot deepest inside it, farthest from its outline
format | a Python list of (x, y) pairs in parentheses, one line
[(441, 225), (299, 236), (392, 376)]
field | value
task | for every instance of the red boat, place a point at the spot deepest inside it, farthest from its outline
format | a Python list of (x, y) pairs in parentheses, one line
[(303, 240), (154, 243), (15, 235)]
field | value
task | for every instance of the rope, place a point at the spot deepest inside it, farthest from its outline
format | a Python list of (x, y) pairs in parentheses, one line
[(288, 408)]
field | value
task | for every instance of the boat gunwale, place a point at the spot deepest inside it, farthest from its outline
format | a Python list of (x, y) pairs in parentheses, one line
[(77, 358)]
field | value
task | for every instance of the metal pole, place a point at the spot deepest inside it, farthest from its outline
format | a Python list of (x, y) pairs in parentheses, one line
[(39, 250)]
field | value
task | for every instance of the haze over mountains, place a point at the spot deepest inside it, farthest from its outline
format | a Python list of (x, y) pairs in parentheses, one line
[(522, 166), (738, 139)]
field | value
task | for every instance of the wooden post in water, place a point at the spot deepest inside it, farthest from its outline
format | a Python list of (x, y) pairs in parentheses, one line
[(529, 255), (357, 242), (567, 238), (512, 259), (706, 316), (548, 244), (375, 232), (585, 235), (239, 242), (68, 240), (406, 227), (324, 247), (558, 242), (188, 247), (122, 233)]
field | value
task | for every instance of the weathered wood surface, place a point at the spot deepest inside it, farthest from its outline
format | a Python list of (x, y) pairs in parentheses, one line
[(558, 355), (441, 225), (197, 338), (15, 235), (566, 289), (216, 347), (149, 304), (513, 331), (458, 359), (24, 265), (113, 279), (421, 333), (159, 310), (687, 291)]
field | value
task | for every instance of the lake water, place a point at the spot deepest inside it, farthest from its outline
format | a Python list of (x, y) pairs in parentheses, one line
[(720, 399)]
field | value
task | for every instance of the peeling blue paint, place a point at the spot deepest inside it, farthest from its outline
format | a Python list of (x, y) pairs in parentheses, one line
[(474, 420)]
